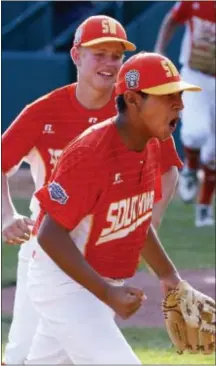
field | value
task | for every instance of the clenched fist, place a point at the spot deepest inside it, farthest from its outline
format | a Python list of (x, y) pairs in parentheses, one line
[(17, 230), (125, 300)]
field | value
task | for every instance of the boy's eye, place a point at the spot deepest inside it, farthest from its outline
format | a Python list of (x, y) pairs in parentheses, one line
[(117, 57)]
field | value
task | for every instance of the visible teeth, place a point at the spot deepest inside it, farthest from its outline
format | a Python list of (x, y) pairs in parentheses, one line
[(106, 73)]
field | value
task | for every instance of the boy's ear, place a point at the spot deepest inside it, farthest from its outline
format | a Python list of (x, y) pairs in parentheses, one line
[(75, 55)]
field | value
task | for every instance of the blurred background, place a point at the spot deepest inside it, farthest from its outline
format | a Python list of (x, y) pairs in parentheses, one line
[(36, 40), (37, 37)]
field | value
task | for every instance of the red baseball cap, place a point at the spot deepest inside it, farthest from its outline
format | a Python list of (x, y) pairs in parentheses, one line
[(151, 73), (101, 28)]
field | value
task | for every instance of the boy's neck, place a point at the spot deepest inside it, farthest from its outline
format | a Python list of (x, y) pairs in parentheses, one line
[(129, 134), (91, 98)]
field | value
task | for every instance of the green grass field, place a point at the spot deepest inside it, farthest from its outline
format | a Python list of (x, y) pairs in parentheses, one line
[(151, 345), (187, 246)]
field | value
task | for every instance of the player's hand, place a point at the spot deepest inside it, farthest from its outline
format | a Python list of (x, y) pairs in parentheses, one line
[(125, 300), (17, 230), (190, 319)]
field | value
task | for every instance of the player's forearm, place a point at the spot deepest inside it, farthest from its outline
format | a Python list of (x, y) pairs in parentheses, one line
[(169, 182), (8, 209), (165, 34), (55, 241), (157, 259)]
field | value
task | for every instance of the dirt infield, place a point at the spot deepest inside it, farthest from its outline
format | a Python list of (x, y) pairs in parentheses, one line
[(149, 315)]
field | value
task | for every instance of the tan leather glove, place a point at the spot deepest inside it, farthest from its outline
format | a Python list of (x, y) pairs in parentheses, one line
[(190, 319)]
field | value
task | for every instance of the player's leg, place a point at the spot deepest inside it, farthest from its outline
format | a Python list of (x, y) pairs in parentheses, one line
[(46, 349), (25, 317), (204, 215), (194, 133), (85, 329), (204, 209)]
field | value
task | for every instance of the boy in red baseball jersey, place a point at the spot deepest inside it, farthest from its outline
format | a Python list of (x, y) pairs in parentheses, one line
[(95, 222), (38, 136), (43, 129)]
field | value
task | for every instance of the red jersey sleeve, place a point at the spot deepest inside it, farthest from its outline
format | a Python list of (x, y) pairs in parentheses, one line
[(181, 11), (20, 137), (72, 190), (169, 155)]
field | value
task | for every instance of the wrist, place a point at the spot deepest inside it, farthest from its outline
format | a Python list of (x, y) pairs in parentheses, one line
[(171, 280), (8, 217), (105, 291)]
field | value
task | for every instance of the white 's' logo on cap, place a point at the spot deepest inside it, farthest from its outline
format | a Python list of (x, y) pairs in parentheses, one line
[(132, 79), (78, 35)]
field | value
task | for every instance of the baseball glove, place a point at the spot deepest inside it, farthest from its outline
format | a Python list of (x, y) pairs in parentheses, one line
[(190, 319)]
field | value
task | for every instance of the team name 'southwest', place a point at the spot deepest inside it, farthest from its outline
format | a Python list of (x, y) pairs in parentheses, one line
[(126, 215)]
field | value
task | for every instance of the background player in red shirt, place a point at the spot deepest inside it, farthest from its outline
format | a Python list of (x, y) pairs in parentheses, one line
[(44, 128), (198, 117), (95, 222)]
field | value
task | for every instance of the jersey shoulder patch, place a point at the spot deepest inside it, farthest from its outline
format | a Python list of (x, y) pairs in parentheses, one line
[(57, 193)]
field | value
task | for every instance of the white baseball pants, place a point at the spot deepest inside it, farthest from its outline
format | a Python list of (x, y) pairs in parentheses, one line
[(25, 317), (198, 115), (75, 327)]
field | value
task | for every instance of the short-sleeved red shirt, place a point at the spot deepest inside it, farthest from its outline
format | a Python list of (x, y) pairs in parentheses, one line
[(103, 194), (44, 128)]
